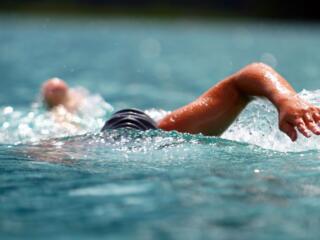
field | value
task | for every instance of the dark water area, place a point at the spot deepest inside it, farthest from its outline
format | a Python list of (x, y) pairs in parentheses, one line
[(271, 9)]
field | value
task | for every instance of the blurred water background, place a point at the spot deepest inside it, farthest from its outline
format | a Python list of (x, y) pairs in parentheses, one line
[(61, 184)]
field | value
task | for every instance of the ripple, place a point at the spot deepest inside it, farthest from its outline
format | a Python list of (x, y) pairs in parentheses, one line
[(109, 189)]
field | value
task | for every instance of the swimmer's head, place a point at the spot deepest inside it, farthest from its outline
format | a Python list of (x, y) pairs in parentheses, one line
[(54, 92)]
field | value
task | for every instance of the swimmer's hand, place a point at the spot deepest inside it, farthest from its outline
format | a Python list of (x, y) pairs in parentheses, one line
[(297, 114)]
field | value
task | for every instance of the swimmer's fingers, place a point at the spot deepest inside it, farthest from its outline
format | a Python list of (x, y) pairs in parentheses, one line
[(316, 117), (299, 123), (310, 122), (289, 130)]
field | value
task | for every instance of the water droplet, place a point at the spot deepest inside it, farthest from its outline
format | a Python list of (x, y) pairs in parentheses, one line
[(7, 110), (5, 125)]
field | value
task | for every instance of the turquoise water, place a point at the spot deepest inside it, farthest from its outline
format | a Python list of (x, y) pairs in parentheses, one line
[(61, 183)]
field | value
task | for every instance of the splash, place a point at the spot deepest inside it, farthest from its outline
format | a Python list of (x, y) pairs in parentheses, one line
[(258, 125), (34, 124)]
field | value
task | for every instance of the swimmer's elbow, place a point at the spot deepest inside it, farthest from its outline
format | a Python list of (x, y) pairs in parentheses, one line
[(258, 66), (253, 72), (252, 81), (251, 76)]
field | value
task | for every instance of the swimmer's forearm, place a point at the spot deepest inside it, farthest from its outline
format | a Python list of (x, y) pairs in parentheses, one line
[(258, 79)]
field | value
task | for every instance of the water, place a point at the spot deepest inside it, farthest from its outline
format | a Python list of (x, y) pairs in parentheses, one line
[(62, 183)]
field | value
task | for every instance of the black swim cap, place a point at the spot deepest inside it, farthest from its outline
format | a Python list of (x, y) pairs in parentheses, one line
[(130, 118)]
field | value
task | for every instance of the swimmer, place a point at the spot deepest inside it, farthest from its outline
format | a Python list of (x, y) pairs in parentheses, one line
[(215, 110), (63, 102), (55, 92)]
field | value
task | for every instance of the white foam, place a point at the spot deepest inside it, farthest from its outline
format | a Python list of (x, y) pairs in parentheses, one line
[(36, 123), (258, 125), (108, 189), (156, 114)]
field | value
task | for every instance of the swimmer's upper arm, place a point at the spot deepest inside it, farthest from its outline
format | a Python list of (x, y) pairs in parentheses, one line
[(212, 113)]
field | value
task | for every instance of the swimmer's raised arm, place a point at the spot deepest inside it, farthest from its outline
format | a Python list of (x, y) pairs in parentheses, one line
[(214, 111)]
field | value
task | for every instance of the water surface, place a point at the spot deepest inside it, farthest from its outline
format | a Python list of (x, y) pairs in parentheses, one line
[(58, 183)]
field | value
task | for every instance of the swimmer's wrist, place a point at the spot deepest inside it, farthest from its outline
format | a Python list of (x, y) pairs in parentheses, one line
[(282, 101)]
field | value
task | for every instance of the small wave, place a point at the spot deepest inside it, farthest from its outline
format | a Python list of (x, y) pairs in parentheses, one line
[(126, 145), (109, 190)]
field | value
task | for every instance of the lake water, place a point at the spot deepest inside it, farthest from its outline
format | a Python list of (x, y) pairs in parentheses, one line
[(57, 183)]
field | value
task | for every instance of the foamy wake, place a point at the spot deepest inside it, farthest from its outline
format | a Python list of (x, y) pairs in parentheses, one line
[(34, 124), (258, 123)]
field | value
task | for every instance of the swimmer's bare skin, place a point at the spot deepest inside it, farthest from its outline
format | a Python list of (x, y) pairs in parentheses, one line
[(214, 111), (62, 102), (55, 92)]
